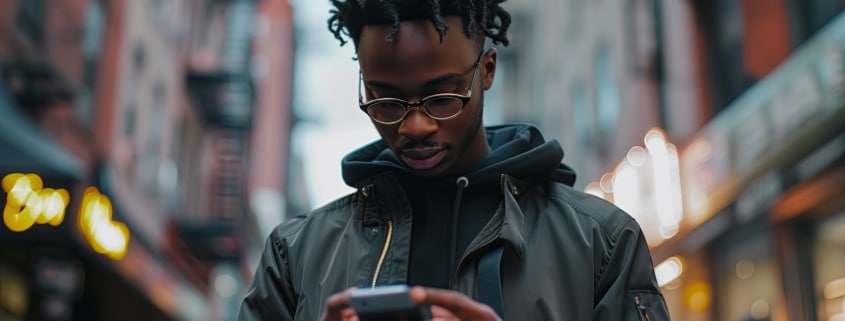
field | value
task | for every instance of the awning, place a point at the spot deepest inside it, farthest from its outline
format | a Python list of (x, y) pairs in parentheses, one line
[(26, 148)]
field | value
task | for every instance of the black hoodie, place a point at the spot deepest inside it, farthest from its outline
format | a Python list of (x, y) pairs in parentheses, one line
[(518, 150), (448, 214)]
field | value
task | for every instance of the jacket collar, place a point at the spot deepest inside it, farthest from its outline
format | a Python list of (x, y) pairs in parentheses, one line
[(383, 199), (508, 223), (514, 220)]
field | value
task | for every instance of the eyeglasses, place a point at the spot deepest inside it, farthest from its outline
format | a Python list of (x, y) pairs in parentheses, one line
[(389, 111)]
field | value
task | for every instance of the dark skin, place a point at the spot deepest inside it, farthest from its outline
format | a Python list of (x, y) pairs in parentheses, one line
[(416, 64), (446, 305)]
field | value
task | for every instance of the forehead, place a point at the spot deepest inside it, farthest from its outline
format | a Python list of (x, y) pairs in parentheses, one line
[(417, 45)]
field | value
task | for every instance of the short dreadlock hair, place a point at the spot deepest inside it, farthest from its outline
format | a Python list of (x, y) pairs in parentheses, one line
[(349, 16)]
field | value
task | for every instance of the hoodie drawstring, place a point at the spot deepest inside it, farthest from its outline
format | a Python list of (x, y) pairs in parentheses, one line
[(462, 182)]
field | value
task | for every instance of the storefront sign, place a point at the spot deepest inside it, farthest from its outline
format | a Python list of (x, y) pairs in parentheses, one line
[(647, 186), (757, 198), (796, 103), (776, 120), (832, 70), (704, 168), (765, 128), (751, 141)]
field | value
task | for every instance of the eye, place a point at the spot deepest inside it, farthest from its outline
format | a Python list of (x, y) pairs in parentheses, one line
[(441, 102), (386, 111), (444, 107)]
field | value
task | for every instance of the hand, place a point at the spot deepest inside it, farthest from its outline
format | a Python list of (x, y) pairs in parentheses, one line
[(338, 309), (447, 305)]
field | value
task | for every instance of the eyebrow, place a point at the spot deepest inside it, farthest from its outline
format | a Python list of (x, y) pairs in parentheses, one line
[(428, 84)]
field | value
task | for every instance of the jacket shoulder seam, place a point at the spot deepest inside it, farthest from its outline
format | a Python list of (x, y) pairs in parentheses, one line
[(327, 209), (610, 231)]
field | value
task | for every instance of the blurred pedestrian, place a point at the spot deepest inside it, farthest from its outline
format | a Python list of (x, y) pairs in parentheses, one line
[(483, 221)]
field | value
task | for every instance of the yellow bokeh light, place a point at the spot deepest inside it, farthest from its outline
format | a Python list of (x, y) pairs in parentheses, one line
[(17, 220), (54, 206), (697, 296), (105, 236), (19, 187), (29, 203)]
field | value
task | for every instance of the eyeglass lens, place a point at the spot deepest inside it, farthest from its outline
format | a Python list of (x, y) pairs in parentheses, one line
[(437, 108)]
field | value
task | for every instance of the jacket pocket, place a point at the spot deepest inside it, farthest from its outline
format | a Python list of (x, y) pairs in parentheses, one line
[(645, 306)]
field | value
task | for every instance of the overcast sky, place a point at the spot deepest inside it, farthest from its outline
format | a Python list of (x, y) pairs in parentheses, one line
[(325, 86)]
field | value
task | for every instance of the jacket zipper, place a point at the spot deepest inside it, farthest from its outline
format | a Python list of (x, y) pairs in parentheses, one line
[(642, 310), (383, 252)]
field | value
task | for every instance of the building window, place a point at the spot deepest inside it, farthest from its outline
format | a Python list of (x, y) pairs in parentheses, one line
[(607, 94), (152, 154), (574, 19), (641, 37), (130, 92), (582, 116), (746, 40), (129, 120), (815, 14), (30, 20), (747, 276), (92, 38)]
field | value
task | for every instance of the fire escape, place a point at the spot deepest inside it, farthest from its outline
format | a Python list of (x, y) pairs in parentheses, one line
[(223, 95)]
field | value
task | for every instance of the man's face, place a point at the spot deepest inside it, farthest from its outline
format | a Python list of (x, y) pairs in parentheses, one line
[(416, 65)]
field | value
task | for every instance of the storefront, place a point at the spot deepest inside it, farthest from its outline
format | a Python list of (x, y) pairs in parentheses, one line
[(762, 198), (63, 255), (828, 250), (747, 220), (811, 214)]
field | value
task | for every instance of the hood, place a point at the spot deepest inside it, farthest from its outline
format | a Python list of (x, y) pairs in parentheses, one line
[(517, 150)]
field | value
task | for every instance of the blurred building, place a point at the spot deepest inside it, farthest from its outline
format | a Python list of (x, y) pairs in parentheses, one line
[(143, 152), (718, 125)]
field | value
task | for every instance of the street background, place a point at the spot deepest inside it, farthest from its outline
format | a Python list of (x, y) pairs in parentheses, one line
[(148, 147)]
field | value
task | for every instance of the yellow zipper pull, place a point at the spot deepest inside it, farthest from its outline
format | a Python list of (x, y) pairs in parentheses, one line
[(383, 252)]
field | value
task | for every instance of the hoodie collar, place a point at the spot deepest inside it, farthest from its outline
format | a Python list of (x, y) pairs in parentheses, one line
[(516, 150)]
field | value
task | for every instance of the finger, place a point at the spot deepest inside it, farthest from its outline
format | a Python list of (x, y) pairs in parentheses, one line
[(348, 314), (336, 306), (462, 306), (438, 312)]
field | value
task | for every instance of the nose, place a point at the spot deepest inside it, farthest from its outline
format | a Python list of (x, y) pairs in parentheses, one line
[(417, 125)]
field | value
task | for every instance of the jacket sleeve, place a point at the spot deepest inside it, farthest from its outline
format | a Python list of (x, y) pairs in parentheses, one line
[(626, 288), (271, 296)]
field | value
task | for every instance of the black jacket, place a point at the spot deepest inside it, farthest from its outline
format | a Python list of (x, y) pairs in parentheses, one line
[(569, 255)]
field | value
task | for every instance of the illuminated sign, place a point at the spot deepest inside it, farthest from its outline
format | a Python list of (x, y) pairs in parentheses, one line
[(669, 270), (647, 186), (106, 236), (29, 203), (764, 131)]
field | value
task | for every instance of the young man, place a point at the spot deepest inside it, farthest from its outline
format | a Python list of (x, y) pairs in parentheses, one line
[(482, 221)]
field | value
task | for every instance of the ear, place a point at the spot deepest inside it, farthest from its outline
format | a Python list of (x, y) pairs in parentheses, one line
[(488, 68)]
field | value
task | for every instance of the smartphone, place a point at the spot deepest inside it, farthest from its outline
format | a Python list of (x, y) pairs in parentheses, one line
[(387, 303)]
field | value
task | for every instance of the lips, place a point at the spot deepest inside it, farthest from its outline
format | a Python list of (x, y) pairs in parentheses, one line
[(423, 158)]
